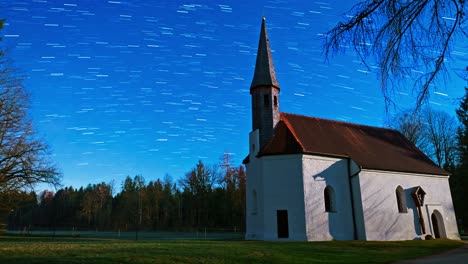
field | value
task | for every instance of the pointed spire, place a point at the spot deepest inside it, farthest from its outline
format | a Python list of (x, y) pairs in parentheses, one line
[(264, 70)]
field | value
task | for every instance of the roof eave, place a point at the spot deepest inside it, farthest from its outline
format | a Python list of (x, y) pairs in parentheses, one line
[(447, 174), (361, 166)]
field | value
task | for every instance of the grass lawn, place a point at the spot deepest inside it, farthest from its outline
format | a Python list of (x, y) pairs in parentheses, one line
[(15, 249)]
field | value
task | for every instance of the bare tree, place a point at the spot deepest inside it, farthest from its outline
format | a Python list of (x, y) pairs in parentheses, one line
[(201, 179), (198, 184), (411, 125), (406, 38), (24, 159), (96, 203), (433, 132), (441, 133)]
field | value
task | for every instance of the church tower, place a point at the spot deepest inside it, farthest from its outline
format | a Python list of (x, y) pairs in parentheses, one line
[(265, 91)]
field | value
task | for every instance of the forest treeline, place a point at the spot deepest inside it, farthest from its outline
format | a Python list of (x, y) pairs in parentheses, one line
[(206, 197)]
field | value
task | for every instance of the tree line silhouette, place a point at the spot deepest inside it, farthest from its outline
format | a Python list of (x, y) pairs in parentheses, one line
[(210, 197)]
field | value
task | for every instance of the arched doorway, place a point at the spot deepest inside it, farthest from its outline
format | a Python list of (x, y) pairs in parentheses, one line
[(438, 225)]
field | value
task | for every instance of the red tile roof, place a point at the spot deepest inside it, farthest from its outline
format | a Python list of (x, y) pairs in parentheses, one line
[(370, 147)]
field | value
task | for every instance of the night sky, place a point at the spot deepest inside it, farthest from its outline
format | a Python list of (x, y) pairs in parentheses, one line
[(150, 87)]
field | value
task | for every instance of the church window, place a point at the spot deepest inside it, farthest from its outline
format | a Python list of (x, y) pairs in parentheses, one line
[(254, 202), (329, 197), (266, 100), (401, 200), (275, 100)]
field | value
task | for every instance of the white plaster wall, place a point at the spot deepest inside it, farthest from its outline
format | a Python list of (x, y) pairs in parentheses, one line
[(283, 190), (381, 217), (318, 172), (254, 209), (277, 181), (254, 213)]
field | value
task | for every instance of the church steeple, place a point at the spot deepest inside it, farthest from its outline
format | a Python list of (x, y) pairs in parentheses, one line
[(265, 91), (264, 69)]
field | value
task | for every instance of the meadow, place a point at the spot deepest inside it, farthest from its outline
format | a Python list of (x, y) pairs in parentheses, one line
[(20, 249)]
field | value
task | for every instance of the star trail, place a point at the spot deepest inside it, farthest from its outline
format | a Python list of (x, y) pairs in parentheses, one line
[(150, 87)]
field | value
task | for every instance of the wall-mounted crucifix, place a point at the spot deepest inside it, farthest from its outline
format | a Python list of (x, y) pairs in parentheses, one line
[(418, 197)]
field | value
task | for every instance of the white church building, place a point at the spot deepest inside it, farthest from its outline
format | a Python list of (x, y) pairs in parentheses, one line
[(315, 179)]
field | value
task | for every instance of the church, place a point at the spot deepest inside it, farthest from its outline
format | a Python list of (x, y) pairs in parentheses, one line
[(312, 179)]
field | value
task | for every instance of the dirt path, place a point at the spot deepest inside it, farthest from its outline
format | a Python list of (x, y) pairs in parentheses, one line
[(455, 256)]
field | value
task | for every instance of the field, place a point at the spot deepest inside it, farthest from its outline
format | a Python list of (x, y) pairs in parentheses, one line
[(143, 235), (18, 249)]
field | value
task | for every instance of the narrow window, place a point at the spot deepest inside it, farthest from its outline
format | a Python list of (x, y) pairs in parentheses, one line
[(275, 100), (266, 101), (329, 197), (254, 202), (401, 200)]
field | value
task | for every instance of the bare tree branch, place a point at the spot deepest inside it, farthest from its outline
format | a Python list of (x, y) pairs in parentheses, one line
[(433, 132), (24, 158), (404, 39)]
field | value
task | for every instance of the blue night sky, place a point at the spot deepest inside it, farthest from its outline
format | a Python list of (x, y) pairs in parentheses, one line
[(150, 87)]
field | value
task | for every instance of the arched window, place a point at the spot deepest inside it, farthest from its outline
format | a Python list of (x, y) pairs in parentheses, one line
[(329, 197), (254, 202), (401, 200)]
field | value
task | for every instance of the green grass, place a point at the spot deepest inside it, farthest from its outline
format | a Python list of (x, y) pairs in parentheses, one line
[(14, 249)]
